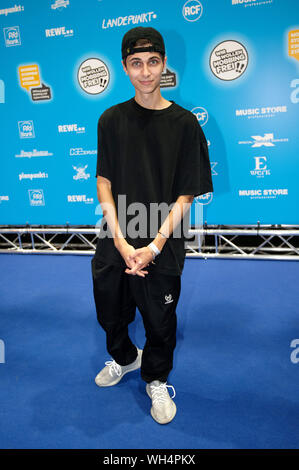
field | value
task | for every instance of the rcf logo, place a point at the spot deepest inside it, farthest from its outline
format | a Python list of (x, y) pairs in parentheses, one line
[(201, 115), (192, 10)]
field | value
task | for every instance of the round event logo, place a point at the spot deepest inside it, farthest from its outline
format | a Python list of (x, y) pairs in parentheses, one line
[(228, 60), (204, 199), (192, 10), (93, 76), (201, 114)]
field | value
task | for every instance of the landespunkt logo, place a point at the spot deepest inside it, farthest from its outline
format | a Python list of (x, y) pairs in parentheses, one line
[(228, 60), (93, 76)]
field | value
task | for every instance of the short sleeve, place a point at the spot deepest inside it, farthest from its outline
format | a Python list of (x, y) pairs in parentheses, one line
[(103, 163), (193, 175)]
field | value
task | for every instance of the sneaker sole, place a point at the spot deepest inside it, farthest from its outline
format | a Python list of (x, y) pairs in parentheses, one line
[(118, 378), (161, 421)]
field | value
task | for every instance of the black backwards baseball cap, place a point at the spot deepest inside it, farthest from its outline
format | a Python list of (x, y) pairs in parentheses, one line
[(142, 32)]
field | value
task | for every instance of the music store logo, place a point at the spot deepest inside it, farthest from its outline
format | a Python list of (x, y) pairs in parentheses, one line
[(228, 60), (93, 76)]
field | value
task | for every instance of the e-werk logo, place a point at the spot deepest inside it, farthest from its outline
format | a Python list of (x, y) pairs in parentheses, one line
[(93, 76), (260, 169), (228, 60), (81, 175), (36, 197), (192, 10), (201, 114), (2, 352)]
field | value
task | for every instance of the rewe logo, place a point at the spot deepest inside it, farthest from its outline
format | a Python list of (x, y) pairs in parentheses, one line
[(71, 128), (61, 31), (192, 10)]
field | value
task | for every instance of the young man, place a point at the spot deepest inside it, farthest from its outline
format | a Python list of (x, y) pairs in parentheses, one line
[(152, 153)]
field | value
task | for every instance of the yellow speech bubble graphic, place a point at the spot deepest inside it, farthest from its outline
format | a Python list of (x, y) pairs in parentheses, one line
[(29, 76), (293, 43)]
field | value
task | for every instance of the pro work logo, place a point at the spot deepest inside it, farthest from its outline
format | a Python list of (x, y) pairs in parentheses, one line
[(192, 10), (93, 76), (228, 60), (30, 80)]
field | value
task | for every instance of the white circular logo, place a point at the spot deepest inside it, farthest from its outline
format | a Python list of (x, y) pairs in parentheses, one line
[(204, 199), (192, 10), (93, 76), (201, 114), (228, 60)]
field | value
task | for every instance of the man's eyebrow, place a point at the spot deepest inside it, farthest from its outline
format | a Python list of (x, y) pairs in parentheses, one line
[(150, 58)]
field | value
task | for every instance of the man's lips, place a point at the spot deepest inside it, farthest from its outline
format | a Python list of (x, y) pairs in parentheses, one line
[(146, 82)]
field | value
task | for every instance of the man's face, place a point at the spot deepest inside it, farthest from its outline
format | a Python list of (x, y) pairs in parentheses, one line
[(144, 70)]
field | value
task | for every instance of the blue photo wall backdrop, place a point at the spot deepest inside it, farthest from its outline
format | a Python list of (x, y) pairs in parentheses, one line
[(233, 63)]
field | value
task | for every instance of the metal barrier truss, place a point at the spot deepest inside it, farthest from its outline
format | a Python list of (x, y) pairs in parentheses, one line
[(208, 241)]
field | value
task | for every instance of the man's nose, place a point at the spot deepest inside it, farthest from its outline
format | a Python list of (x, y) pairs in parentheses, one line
[(146, 71)]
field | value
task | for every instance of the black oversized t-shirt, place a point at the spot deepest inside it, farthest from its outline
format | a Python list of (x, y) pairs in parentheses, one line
[(151, 157)]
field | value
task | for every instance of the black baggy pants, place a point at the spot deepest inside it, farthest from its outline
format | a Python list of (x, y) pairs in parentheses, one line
[(117, 295)]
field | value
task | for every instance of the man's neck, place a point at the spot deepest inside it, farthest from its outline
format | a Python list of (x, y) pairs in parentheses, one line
[(151, 100)]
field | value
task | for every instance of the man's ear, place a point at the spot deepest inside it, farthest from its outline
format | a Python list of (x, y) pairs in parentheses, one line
[(124, 67), (164, 64)]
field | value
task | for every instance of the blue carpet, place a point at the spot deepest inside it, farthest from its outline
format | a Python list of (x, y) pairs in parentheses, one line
[(235, 382)]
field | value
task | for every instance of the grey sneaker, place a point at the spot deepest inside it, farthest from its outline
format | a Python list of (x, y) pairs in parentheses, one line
[(112, 373), (163, 408)]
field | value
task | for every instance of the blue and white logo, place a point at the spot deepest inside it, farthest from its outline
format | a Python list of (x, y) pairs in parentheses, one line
[(60, 4), (36, 197), (201, 115), (26, 129), (192, 10), (12, 36), (204, 199)]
